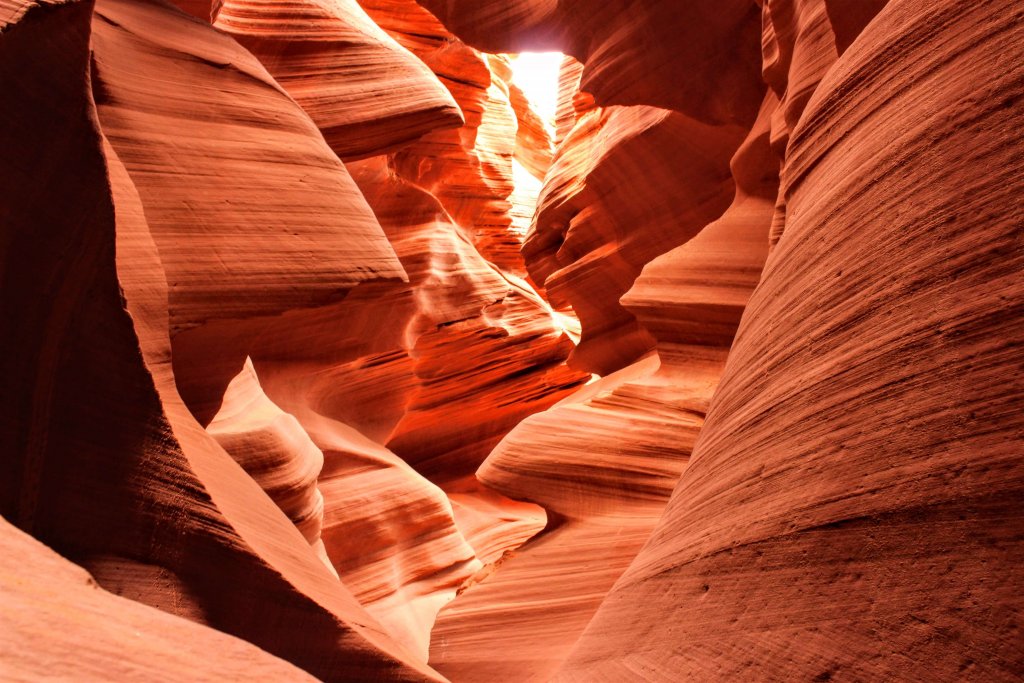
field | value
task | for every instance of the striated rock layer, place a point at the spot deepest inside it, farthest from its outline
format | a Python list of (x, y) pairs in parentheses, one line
[(470, 170), (632, 51), (366, 93), (851, 509), (627, 184), (289, 297), (273, 449), (58, 625), (431, 372), (94, 413), (604, 493)]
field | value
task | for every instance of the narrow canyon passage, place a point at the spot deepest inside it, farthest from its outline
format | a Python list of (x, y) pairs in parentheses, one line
[(511, 340)]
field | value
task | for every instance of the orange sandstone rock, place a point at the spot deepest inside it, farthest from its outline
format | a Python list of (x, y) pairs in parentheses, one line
[(468, 170), (105, 462), (242, 156), (632, 52), (58, 624), (604, 462), (273, 449), (851, 507), (627, 184), (367, 93)]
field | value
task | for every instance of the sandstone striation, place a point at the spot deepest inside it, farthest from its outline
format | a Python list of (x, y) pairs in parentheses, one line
[(604, 494), (58, 624), (469, 169), (627, 184), (275, 451), (367, 94), (631, 51), (850, 507), (96, 412), (327, 357)]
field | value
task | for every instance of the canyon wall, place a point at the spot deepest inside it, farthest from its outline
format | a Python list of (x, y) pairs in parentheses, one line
[(302, 383), (851, 507)]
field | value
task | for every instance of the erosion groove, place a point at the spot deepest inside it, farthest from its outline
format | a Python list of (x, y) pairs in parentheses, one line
[(344, 341)]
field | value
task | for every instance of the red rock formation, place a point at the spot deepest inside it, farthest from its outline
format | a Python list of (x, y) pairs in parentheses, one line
[(852, 507), (279, 406), (398, 372), (95, 415), (483, 350), (273, 449), (534, 146), (367, 94), (572, 102), (632, 51), (468, 170), (210, 189), (58, 624), (627, 184), (605, 492)]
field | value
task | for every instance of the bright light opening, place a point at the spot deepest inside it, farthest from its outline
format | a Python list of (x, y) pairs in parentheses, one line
[(536, 74)]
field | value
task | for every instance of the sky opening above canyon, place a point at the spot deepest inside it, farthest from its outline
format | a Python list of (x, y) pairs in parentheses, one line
[(537, 74)]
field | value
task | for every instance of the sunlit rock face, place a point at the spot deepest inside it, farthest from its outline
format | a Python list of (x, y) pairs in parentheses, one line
[(106, 463), (632, 51), (605, 493), (431, 372), (853, 493), (365, 92), (627, 184), (333, 349)]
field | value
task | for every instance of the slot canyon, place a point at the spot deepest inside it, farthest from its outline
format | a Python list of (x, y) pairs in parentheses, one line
[(508, 341)]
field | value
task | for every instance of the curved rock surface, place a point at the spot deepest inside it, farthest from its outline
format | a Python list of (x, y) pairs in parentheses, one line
[(851, 508), (274, 450), (242, 155), (59, 625), (627, 184), (468, 170), (631, 50), (290, 294), (96, 413), (483, 350), (398, 373), (603, 493), (367, 93)]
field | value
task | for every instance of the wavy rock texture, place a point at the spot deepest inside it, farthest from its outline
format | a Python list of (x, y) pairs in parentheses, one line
[(468, 170), (273, 449), (605, 493), (300, 416), (627, 184), (397, 379), (58, 624), (799, 47), (466, 310), (326, 233), (631, 50), (96, 415), (851, 508), (572, 101), (389, 533), (367, 94), (242, 156), (436, 371), (534, 145)]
